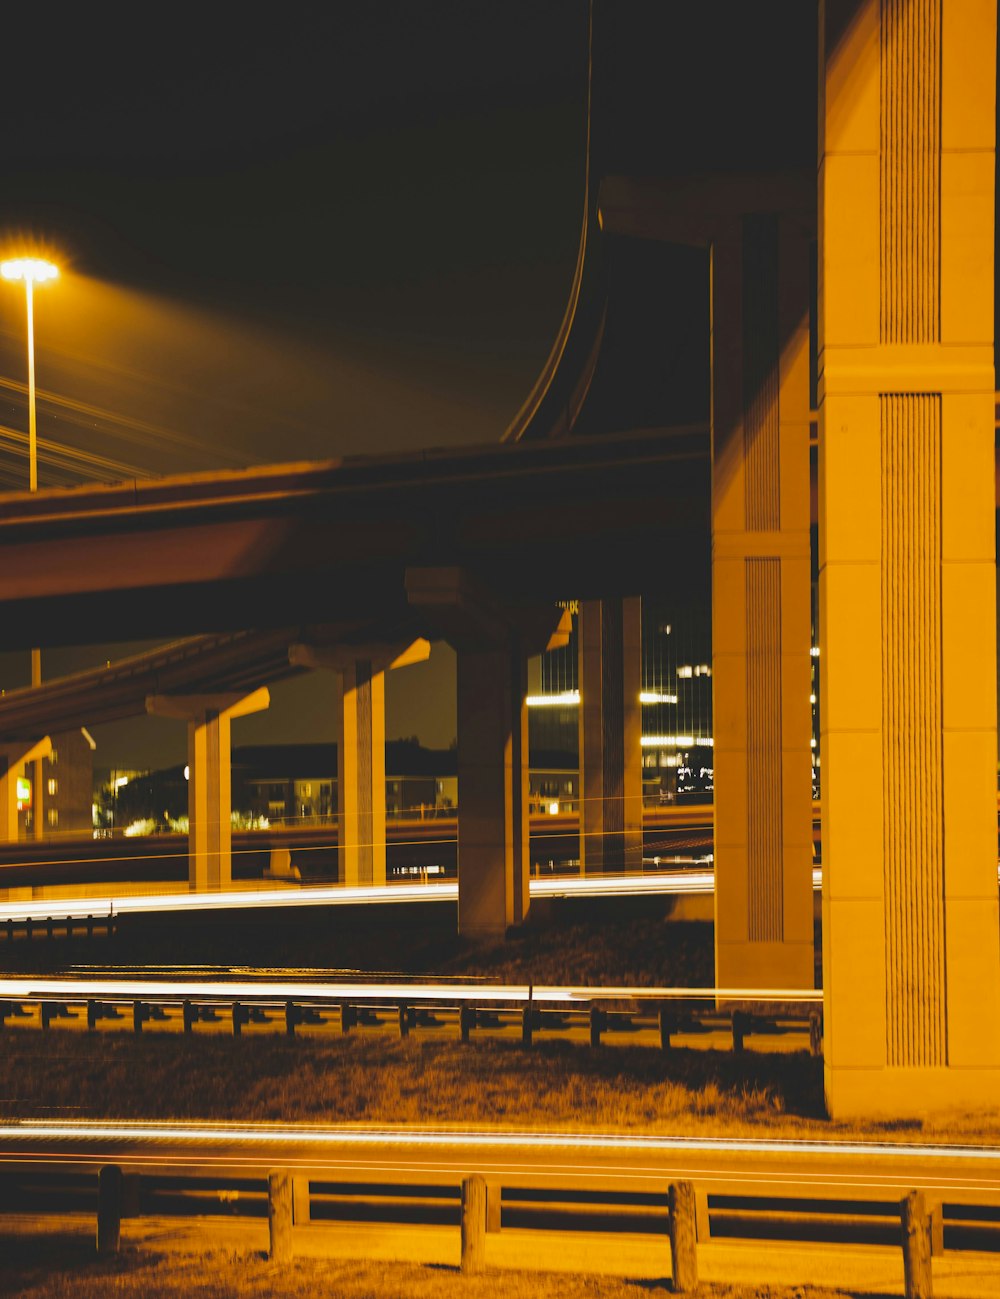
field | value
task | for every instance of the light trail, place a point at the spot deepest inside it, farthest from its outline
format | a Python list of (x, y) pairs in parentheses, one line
[(677, 883), (195, 1133), (665, 882), (30, 988)]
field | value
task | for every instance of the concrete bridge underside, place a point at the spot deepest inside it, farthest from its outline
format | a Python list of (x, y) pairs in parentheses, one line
[(903, 222)]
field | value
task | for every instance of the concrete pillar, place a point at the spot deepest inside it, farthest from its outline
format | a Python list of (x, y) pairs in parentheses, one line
[(210, 803), (761, 603), (493, 857), (610, 676), (361, 774), (911, 932), (14, 756), (360, 746)]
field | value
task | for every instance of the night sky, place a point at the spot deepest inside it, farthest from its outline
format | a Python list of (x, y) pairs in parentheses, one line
[(339, 228)]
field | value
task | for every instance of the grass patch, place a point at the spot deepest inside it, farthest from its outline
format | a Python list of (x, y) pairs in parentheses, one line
[(63, 1267), (360, 1079)]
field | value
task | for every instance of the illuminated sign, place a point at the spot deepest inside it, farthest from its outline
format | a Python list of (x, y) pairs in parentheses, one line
[(23, 793)]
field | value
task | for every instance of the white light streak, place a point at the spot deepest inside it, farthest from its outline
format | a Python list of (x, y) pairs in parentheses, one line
[(440, 1138), (30, 988), (686, 882)]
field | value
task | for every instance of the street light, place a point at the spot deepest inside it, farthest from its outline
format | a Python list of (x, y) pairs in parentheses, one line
[(32, 270)]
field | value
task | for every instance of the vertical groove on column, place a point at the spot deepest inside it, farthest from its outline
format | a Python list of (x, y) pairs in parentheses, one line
[(913, 849), (366, 825), (762, 496), (613, 754), (765, 864), (910, 191)]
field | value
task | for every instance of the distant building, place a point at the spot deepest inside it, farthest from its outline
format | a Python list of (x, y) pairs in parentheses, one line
[(67, 786)]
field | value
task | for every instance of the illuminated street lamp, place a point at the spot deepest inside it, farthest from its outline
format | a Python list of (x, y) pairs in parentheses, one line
[(32, 270)]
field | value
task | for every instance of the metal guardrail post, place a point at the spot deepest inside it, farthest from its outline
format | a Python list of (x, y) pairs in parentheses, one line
[(466, 1021), (301, 1203), (667, 1028), (404, 1019), (527, 1023), (346, 1017), (138, 1016), (110, 1185), (291, 1018), (815, 1033), (279, 1215), (493, 1194), (683, 1237), (596, 1025), (473, 1224), (741, 1026), (190, 1015), (915, 1224)]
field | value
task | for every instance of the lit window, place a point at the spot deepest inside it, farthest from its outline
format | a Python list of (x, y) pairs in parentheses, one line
[(53, 786), (53, 816), (53, 757), (685, 671)]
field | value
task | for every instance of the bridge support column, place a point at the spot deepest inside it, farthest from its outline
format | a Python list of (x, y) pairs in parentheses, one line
[(493, 640), (911, 950), (610, 676), (761, 598), (13, 757), (493, 826), (361, 774), (361, 747), (210, 804)]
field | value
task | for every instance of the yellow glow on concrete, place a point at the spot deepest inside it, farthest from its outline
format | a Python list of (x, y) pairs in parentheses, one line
[(911, 930)]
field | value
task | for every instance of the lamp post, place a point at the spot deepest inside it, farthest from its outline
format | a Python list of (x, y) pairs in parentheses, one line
[(32, 271)]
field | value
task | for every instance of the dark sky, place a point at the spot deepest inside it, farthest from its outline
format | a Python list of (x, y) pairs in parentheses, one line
[(344, 227), (285, 233)]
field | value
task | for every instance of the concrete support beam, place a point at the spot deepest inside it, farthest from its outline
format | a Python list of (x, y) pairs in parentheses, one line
[(210, 803), (14, 756), (911, 932), (493, 644), (610, 676), (493, 825), (761, 602), (361, 747)]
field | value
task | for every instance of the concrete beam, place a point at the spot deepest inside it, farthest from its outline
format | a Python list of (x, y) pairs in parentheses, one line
[(360, 719), (210, 802), (14, 756)]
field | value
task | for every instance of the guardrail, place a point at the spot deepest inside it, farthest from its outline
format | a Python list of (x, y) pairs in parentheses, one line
[(410, 1007), (296, 1200)]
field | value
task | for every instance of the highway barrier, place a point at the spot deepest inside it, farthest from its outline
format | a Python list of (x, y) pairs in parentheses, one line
[(687, 1215), (610, 1015)]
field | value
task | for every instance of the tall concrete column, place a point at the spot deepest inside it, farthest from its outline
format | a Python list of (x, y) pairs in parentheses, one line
[(210, 803), (14, 755), (361, 774), (610, 676), (493, 827), (911, 932), (493, 639), (761, 603), (361, 672)]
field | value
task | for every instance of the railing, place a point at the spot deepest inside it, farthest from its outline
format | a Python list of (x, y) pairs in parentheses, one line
[(410, 1007), (301, 1200)]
